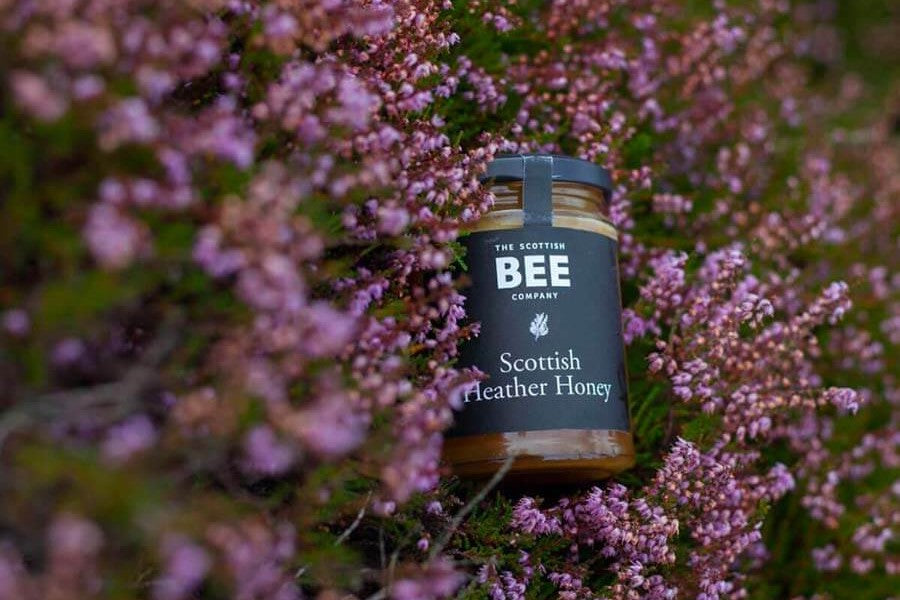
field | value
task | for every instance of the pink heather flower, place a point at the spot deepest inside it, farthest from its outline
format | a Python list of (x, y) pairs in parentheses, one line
[(84, 46), (331, 427), (216, 260), (356, 104), (392, 221), (438, 579), (68, 351), (13, 575), (781, 481), (634, 326), (265, 454), (87, 87), (891, 328), (16, 322), (666, 288), (328, 330), (384, 508), (527, 518), (221, 131), (129, 121), (310, 129), (873, 537), (71, 537), (845, 399), (257, 556), (835, 300), (129, 438), (35, 96), (185, 566), (861, 565), (507, 587), (154, 83), (279, 27), (114, 239), (671, 204)]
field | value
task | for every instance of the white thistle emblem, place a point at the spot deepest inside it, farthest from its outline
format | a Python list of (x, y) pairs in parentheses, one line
[(538, 326)]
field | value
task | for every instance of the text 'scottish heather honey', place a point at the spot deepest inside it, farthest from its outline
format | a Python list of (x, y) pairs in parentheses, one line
[(545, 288)]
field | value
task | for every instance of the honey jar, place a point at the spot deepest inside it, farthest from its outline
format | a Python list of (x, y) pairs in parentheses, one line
[(545, 289)]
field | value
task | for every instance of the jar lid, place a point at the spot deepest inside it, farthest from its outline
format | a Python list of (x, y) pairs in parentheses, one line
[(511, 167), (537, 172)]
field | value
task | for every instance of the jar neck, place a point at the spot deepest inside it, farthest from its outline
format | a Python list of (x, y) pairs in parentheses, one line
[(566, 196), (575, 206)]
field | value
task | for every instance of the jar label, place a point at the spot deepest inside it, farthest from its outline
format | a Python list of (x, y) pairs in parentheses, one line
[(551, 332)]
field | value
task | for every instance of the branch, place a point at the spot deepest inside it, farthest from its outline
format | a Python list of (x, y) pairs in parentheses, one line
[(117, 399), (355, 523), (476, 499)]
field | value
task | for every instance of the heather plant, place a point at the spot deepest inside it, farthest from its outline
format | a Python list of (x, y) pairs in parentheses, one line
[(231, 296)]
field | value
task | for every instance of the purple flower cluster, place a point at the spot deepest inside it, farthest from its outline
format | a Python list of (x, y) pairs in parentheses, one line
[(255, 554), (710, 495), (435, 580), (71, 567)]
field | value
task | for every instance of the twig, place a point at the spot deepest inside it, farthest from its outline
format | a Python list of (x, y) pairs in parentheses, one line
[(395, 555), (116, 399), (355, 523), (670, 427), (455, 522), (461, 515)]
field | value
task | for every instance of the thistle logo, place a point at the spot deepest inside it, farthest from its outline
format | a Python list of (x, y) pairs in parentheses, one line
[(539, 326)]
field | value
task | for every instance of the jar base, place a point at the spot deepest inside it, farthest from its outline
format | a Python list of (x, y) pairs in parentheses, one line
[(555, 456)]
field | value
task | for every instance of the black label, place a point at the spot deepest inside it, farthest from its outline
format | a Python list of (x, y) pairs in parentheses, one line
[(551, 332)]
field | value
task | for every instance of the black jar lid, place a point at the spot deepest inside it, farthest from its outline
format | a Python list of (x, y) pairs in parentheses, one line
[(538, 172), (512, 167)]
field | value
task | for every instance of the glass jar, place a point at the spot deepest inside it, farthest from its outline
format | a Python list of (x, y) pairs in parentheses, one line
[(545, 289)]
